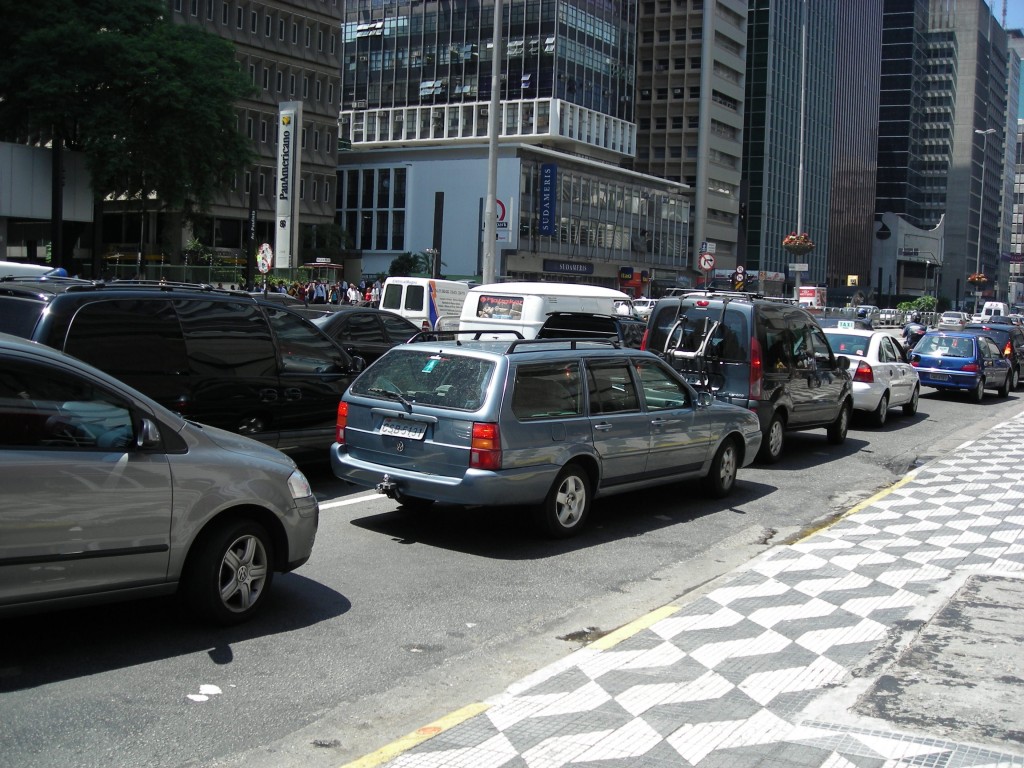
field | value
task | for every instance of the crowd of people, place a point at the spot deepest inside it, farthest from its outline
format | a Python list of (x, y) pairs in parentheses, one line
[(322, 292)]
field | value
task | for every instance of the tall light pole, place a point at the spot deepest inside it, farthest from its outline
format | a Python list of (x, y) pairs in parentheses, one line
[(489, 256), (981, 208)]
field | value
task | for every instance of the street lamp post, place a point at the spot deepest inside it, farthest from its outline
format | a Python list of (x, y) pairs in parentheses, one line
[(489, 256), (981, 206)]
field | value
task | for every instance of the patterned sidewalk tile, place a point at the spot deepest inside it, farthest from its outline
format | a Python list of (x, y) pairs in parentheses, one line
[(724, 681)]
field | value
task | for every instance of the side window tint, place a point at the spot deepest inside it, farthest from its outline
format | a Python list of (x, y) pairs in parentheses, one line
[(129, 337), (45, 407), (819, 348), (303, 348), (360, 327), (397, 330), (886, 353), (226, 339), (610, 387), (661, 390), (546, 391)]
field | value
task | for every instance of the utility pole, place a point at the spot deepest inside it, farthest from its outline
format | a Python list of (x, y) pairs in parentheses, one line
[(489, 266)]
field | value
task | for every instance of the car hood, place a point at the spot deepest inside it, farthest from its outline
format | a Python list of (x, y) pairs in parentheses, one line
[(247, 446)]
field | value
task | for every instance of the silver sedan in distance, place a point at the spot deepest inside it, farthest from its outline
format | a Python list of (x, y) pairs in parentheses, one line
[(882, 376)]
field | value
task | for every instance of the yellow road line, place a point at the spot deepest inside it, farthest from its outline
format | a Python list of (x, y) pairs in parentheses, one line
[(410, 740)]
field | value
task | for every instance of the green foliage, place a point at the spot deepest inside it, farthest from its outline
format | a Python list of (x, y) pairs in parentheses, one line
[(404, 265), (921, 304), (149, 102)]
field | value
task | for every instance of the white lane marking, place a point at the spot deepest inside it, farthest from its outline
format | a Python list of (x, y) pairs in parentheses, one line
[(355, 500)]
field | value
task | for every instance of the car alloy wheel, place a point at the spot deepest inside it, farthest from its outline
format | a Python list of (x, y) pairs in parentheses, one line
[(721, 475), (772, 441), (881, 413), (910, 408), (837, 429), (230, 571), (568, 502)]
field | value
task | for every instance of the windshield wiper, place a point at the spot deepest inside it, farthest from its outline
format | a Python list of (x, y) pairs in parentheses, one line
[(391, 395)]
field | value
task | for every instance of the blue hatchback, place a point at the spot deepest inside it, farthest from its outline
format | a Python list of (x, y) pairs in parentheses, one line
[(961, 361)]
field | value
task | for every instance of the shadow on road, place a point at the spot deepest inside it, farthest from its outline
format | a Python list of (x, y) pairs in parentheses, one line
[(63, 645)]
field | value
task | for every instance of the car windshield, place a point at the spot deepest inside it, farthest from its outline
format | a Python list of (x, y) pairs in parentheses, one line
[(435, 378), (693, 324), (945, 346)]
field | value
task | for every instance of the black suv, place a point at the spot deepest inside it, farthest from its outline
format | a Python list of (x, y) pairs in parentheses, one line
[(222, 358), (767, 355), (1010, 340)]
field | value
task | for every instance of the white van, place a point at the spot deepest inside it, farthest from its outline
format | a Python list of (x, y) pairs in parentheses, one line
[(993, 308), (423, 299), (524, 307)]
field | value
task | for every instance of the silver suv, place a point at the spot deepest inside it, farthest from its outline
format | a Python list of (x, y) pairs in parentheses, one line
[(105, 495), (549, 423)]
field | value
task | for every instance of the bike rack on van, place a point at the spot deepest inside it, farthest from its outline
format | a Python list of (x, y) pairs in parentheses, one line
[(694, 364)]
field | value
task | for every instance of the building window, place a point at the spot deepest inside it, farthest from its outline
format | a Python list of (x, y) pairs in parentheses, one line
[(316, 190), (280, 29), (316, 144), (309, 36), (268, 26), (280, 80), (330, 93), (303, 138), (263, 131), (248, 127), (305, 87), (254, 22), (266, 78), (333, 41), (327, 191), (248, 181), (319, 90), (209, 10), (193, 8), (252, 73), (291, 85), (177, 6), (302, 189), (295, 33), (239, 18), (320, 40), (263, 184), (224, 14)]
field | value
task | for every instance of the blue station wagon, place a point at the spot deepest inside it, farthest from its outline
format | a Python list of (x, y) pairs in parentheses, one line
[(549, 423)]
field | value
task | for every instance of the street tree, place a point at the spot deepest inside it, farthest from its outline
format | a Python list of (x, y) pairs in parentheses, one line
[(150, 103)]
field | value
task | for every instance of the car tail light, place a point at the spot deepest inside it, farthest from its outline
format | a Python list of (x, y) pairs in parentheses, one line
[(703, 303), (339, 431), (756, 369), (915, 361), (1008, 350), (643, 340), (485, 447), (864, 374), (970, 368)]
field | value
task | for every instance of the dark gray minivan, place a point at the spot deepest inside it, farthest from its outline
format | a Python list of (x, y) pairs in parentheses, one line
[(769, 356), (217, 357)]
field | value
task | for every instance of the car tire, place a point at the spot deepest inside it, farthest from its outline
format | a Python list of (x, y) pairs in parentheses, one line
[(910, 407), (773, 440), (881, 413), (229, 573), (413, 504), (567, 506), (978, 393), (1004, 388), (721, 477), (1014, 378), (837, 429)]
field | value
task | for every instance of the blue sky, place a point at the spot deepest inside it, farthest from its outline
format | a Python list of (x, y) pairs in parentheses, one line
[(1014, 12)]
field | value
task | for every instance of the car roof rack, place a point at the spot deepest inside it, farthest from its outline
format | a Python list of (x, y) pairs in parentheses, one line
[(164, 285), (715, 293), (453, 335), (567, 343)]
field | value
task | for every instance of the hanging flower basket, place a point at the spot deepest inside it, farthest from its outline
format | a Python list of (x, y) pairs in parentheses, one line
[(978, 278), (798, 245)]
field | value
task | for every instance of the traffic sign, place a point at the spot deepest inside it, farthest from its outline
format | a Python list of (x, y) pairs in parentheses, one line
[(740, 269), (707, 262)]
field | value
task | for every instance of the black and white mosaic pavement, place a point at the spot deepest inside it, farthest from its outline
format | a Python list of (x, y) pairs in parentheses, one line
[(725, 681)]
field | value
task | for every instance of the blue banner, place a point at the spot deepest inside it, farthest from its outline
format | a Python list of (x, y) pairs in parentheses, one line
[(548, 198)]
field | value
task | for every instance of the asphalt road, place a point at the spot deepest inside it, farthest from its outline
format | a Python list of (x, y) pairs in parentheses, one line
[(398, 619)]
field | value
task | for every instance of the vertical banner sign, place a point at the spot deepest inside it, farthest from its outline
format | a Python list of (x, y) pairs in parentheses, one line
[(251, 246), (289, 127), (548, 198)]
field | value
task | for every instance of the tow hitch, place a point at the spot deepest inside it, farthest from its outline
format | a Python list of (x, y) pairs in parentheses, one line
[(387, 487)]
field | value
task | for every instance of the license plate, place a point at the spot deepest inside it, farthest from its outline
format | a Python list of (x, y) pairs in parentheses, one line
[(940, 376), (412, 430)]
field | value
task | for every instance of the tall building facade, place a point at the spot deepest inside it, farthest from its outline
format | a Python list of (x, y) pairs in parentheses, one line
[(855, 149), (788, 138), (689, 110), (290, 49), (417, 87), (1015, 228)]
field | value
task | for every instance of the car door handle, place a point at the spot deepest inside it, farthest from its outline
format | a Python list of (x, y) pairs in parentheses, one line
[(660, 422), (268, 395), (293, 393), (603, 427)]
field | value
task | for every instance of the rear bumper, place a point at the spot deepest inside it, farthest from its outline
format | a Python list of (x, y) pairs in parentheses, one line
[(528, 485), (933, 377)]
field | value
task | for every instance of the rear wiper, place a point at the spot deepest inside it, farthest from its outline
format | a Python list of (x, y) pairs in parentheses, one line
[(391, 395)]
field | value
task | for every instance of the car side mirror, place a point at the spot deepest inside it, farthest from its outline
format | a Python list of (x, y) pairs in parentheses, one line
[(148, 434), (705, 399), (358, 363), (842, 362)]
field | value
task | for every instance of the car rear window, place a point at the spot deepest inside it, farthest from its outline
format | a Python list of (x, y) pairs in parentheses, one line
[(691, 324), (945, 346), (434, 378), (848, 344), (18, 316)]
